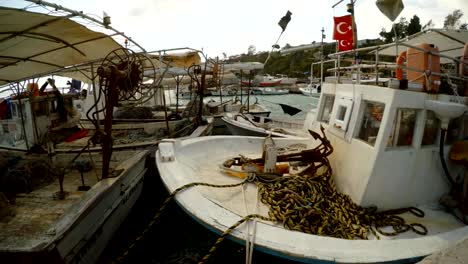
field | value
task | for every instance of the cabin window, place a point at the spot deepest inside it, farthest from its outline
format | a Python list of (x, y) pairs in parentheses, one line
[(403, 128), (15, 110), (371, 121), (343, 113), (431, 129), (327, 108)]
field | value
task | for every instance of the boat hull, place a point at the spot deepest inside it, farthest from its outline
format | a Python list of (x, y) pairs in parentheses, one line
[(82, 233), (181, 162)]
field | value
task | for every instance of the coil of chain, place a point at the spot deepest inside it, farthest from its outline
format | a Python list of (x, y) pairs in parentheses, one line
[(311, 204)]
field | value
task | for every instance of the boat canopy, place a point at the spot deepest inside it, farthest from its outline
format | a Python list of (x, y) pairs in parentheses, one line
[(449, 42), (34, 44)]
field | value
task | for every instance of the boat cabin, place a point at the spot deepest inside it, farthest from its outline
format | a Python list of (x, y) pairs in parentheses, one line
[(386, 139), (31, 119)]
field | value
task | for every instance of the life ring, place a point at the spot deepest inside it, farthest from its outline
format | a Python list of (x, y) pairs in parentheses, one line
[(399, 61), (464, 59)]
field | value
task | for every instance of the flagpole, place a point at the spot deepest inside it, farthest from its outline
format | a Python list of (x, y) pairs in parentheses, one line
[(283, 23), (350, 9), (273, 47), (321, 59)]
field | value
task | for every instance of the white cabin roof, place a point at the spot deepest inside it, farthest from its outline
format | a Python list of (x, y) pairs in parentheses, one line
[(449, 42)]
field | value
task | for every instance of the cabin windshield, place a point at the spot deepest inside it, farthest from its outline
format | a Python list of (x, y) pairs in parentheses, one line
[(403, 128), (328, 101), (371, 122), (431, 129)]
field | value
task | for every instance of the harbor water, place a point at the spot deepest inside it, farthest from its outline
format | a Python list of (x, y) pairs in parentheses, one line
[(175, 237)]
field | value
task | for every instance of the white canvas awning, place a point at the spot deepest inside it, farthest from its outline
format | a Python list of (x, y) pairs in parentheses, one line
[(32, 44), (449, 42)]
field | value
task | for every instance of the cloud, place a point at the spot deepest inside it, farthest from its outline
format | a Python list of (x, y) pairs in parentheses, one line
[(231, 26), (139, 11)]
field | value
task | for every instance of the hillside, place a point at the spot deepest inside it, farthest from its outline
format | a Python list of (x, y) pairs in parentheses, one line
[(296, 64)]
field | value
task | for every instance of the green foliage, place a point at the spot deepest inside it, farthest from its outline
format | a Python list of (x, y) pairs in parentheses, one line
[(452, 20), (401, 29), (414, 26)]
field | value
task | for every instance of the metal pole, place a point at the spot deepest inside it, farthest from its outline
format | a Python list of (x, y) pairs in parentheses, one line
[(81, 14), (377, 67), (22, 118), (321, 59), (93, 77), (241, 86)]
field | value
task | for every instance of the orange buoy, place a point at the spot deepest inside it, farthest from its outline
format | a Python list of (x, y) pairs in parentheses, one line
[(399, 61), (421, 66)]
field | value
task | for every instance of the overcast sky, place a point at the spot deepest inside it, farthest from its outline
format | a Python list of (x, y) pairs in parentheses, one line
[(221, 26)]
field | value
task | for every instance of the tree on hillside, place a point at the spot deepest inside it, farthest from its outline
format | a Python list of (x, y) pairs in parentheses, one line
[(452, 20), (251, 50), (464, 26), (414, 26), (401, 29), (428, 25)]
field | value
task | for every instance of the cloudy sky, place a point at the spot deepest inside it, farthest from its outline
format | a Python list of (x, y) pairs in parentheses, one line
[(221, 26)]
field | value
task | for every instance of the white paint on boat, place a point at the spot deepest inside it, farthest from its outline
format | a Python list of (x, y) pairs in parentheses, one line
[(198, 160)]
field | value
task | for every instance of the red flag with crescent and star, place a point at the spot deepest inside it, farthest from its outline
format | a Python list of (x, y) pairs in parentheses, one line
[(343, 32), (345, 44), (343, 28)]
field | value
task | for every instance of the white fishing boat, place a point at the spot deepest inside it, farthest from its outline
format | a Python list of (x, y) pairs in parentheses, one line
[(268, 91), (219, 110), (311, 90), (73, 223), (55, 207), (249, 125), (396, 154)]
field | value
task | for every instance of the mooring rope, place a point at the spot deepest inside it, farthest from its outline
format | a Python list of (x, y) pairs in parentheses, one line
[(227, 232), (166, 202)]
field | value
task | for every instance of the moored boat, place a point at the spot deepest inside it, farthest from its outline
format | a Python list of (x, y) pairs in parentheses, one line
[(268, 91), (56, 207), (311, 90), (389, 160), (249, 125)]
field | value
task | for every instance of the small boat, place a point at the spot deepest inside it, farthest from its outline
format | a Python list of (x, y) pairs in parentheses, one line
[(225, 91), (311, 90), (268, 91), (374, 153), (250, 125), (262, 81), (219, 110)]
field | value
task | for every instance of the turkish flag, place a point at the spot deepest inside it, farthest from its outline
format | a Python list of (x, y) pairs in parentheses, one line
[(345, 44), (343, 28)]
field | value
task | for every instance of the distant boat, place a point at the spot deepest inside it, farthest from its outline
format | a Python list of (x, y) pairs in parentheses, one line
[(249, 125), (311, 90), (220, 110), (268, 91), (263, 81)]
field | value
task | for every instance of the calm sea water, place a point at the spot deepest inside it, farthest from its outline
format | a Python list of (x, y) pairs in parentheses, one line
[(305, 103), (176, 237)]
